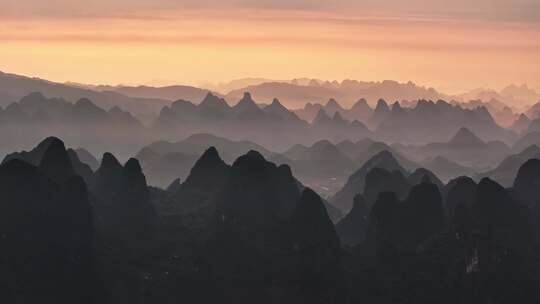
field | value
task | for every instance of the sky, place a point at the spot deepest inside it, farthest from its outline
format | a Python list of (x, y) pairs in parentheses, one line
[(453, 46)]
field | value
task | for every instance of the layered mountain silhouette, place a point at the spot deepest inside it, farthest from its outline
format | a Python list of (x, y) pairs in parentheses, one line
[(360, 111), (343, 199), (14, 87), (250, 231), (409, 124), (464, 148), (298, 94), (507, 170)]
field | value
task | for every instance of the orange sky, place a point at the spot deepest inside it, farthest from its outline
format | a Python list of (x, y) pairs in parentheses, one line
[(201, 45)]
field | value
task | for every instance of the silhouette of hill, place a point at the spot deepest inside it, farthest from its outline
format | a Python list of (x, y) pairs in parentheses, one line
[(352, 228), (14, 87), (464, 148), (507, 170), (46, 226), (51, 156), (299, 94), (445, 168), (343, 199), (360, 111), (250, 231), (409, 125), (174, 92), (527, 140), (80, 124), (521, 125)]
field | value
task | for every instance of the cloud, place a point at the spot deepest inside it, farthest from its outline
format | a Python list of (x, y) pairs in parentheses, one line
[(505, 10)]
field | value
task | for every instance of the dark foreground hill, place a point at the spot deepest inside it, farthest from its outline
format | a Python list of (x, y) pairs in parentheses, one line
[(250, 233)]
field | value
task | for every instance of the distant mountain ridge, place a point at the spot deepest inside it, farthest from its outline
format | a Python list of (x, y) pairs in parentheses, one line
[(297, 94)]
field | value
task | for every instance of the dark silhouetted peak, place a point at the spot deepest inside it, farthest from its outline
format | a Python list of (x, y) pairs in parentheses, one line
[(80, 168), (259, 191), (527, 182), (459, 191), (133, 168), (380, 180), (357, 181), (311, 226), (109, 162), (383, 223), (108, 176), (251, 162), (209, 168), (396, 107), (210, 156), (134, 177), (422, 175), (490, 196), (35, 155), (423, 214), (56, 163), (465, 138), (352, 228)]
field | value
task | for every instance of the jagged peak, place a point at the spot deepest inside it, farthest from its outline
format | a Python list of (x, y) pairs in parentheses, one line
[(276, 103), (211, 99), (332, 103), (251, 158), (255, 155), (322, 117), (109, 161), (133, 166), (360, 102), (211, 155), (247, 99), (56, 162), (33, 97), (464, 136), (382, 106), (85, 102), (310, 210)]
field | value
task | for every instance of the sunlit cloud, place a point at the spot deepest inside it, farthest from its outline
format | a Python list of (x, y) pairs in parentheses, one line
[(210, 41)]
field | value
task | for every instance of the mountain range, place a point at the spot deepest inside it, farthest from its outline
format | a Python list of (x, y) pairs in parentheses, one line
[(249, 232)]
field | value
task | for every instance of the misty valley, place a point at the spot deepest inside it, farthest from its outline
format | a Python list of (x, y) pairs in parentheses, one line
[(185, 195)]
